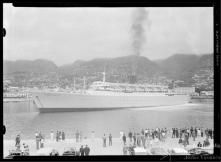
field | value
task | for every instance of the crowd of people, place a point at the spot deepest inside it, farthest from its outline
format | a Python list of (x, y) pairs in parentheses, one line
[(60, 136), (146, 137), (192, 132), (186, 133), (84, 151), (79, 136), (141, 139), (130, 140)]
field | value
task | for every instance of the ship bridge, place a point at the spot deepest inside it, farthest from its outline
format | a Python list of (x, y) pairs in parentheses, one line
[(106, 86)]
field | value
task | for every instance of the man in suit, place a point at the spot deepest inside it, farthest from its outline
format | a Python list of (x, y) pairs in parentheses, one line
[(82, 150), (191, 131), (135, 138), (86, 150), (130, 136), (110, 140), (173, 132), (17, 140), (63, 136), (124, 139), (104, 141)]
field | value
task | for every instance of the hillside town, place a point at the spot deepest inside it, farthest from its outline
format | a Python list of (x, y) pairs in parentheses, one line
[(21, 82)]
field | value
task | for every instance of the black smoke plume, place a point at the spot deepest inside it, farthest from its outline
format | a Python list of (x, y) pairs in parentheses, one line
[(139, 17)]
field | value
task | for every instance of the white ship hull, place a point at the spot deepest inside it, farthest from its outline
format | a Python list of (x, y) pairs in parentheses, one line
[(62, 102)]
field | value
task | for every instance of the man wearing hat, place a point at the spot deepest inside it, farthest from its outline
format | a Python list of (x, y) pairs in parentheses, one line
[(86, 150), (82, 150), (17, 142)]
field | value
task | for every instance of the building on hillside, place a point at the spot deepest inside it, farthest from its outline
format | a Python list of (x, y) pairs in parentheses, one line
[(184, 90), (207, 93)]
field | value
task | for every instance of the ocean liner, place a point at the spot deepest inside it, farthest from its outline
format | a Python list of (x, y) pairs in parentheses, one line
[(103, 95)]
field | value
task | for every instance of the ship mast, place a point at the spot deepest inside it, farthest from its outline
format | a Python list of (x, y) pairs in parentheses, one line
[(84, 84), (104, 77), (74, 84)]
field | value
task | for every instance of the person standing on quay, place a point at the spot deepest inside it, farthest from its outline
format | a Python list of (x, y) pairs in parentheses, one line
[(57, 136), (188, 132), (63, 136), (177, 133), (110, 140), (201, 132), (187, 138), (173, 133), (38, 142), (194, 135), (124, 139), (198, 132), (60, 136), (77, 136), (82, 150), (143, 140), (86, 150), (195, 131), (52, 135), (142, 132), (130, 136), (206, 133), (104, 141), (163, 136), (211, 133), (135, 138), (36, 139), (146, 132), (36, 134), (17, 142), (191, 131), (42, 140)]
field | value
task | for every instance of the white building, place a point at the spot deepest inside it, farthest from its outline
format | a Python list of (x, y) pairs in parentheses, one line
[(184, 90), (207, 93)]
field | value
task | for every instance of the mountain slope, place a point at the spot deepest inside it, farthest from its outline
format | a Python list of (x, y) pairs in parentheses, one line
[(36, 66), (120, 69), (121, 66), (182, 67)]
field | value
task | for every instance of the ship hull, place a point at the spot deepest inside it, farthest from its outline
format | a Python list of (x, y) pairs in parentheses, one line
[(63, 102)]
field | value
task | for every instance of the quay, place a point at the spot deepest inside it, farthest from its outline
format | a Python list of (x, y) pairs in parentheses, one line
[(96, 146)]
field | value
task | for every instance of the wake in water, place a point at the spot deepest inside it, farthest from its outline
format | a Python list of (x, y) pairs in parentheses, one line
[(166, 108)]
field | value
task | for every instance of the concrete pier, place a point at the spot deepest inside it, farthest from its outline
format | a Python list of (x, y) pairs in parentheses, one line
[(96, 145)]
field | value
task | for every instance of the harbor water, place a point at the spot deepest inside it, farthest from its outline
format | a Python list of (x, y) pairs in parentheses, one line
[(23, 118)]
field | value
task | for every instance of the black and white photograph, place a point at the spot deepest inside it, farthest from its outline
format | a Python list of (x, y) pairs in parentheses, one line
[(103, 81)]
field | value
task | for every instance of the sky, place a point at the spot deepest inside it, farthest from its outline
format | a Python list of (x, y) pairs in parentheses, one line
[(64, 35)]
